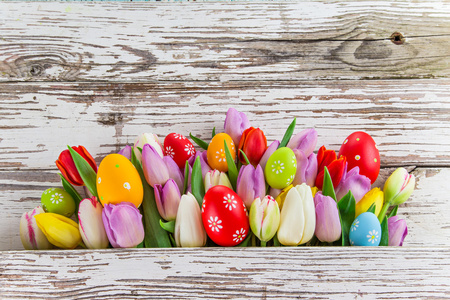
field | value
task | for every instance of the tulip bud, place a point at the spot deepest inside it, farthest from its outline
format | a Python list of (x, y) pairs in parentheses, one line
[(174, 172), (353, 181), (264, 218), (126, 151), (253, 143), (90, 224), (269, 151), (328, 224), (189, 230), (374, 196), (397, 231), (215, 177), (59, 230), (67, 166), (155, 170), (203, 163), (282, 196), (250, 184), (147, 138), (298, 217), (398, 187), (235, 124), (31, 236), (336, 170), (123, 225), (306, 168), (304, 141), (167, 199)]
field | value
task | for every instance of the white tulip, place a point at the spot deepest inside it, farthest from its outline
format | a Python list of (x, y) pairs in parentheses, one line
[(189, 230)]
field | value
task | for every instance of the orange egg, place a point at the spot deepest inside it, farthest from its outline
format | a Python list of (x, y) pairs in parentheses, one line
[(119, 181), (216, 151)]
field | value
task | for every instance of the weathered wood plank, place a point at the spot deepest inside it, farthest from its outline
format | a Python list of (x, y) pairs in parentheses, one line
[(223, 41), (300, 273)]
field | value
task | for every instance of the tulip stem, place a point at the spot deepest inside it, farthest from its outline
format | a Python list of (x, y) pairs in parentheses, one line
[(263, 244), (383, 212)]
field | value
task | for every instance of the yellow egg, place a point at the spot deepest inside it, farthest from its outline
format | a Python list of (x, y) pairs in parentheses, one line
[(216, 151), (119, 181)]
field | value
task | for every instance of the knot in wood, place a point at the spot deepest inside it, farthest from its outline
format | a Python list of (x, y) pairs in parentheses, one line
[(397, 38), (35, 70)]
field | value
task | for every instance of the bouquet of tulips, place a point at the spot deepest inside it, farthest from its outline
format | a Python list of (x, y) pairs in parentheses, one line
[(237, 191)]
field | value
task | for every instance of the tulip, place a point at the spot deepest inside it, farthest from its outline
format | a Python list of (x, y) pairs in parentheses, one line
[(123, 225), (189, 230), (126, 151), (281, 196), (328, 224), (305, 141), (250, 184), (155, 169), (269, 151), (374, 196), (298, 218), (264, 218), (327, 158), (253, 143), (67, 166), (215, 177), (174, 172), (203, 163), (31, 236), (306, 168), (235, 124), (147, 138), (59, 230), (90, 224), (167, 199), (353, 181), (397, 231)]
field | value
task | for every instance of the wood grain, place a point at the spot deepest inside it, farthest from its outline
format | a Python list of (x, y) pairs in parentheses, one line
[(223, 41)]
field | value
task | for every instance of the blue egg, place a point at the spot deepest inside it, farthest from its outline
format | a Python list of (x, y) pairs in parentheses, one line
[(365, 230)]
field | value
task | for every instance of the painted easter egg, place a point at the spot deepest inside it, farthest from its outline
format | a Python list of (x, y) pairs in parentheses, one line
[(280, 168), (58, 201), (216, 151), (119, 181), (361, 151), (365, 230), (179, 148), (224, 216)]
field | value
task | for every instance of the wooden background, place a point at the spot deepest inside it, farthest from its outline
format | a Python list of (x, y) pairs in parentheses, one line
[(99, 74)]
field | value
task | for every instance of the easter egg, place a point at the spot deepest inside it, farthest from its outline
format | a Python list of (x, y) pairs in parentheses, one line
[(281, 168), (179, 148), (361, 151), (216, 152), (224, 216), (365, 230), (58, 201), (118, 181)]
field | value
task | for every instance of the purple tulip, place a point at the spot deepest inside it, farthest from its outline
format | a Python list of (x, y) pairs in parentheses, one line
[(306, 168), (250, 184), (155, 169), (174, 172), (305, 141), (269, 151), (203, 163), (126, 151), (235, 124), (397, 231), (123, 225), (167, 199), (328, 225), (353, 181)]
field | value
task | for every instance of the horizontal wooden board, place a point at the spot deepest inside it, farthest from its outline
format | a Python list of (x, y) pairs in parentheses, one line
[(224, 41)]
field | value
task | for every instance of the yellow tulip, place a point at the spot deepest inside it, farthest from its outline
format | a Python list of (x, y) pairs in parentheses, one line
[(376, 196), (282, 196), (59, 230)]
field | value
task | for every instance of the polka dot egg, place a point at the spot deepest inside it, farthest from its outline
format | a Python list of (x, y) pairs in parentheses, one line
[(281, 168), (118, 181), (365, 230), (58, 201)]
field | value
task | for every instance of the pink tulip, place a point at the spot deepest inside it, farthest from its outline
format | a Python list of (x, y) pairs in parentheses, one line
[(328, 225)]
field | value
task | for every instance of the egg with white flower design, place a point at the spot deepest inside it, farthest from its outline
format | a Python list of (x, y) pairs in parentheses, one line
[(281, 168), (365, 230), (179, 148), (216, 151), (58, 201), (224, 216)]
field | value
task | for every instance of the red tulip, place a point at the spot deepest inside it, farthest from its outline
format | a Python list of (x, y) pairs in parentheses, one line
[(67, 167), (324, 158), (254, 143), (327, 158)]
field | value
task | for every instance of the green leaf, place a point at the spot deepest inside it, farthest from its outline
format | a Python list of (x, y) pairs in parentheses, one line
[(393, 212), (372, 208), (73, 193), (86, 172), (172, 240), (155, 236), (384, 233), (141, 245), (186, 177), (245, 156), (346, 208), (232, 170), (246, 241), (197, 186), (199, 142), (168, 226), (327, 188), (213, 132), (140, 149), (288, 134)]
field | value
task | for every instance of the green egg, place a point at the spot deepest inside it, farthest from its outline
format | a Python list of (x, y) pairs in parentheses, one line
[(281, 168), (58, 201)]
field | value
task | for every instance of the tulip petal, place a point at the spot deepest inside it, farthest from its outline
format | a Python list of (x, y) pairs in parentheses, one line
[(304, 141)]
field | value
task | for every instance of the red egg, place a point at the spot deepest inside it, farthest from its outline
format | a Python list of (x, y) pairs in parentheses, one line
[(361, 151), (224, 216), (179, 148)]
